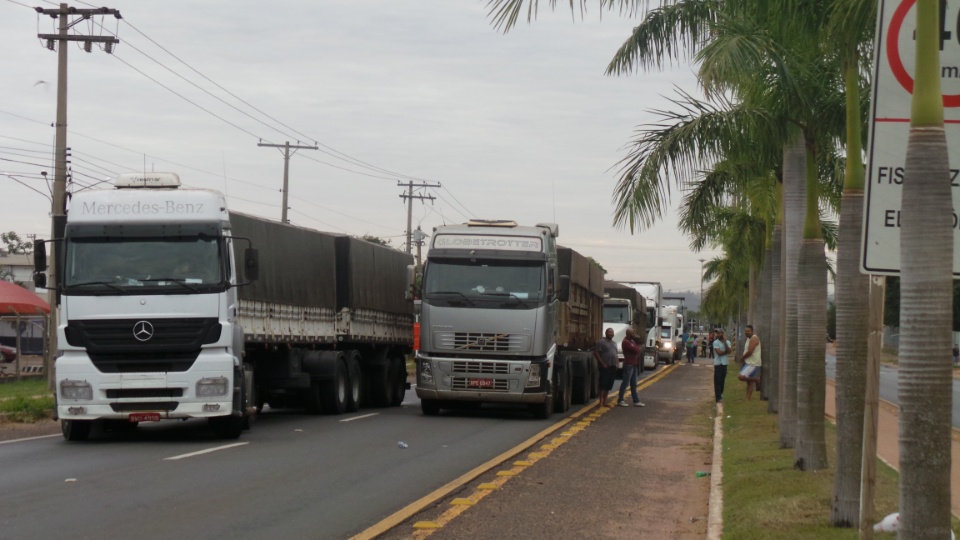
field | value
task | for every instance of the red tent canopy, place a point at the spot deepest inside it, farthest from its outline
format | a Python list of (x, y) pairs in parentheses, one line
[(15, 299)]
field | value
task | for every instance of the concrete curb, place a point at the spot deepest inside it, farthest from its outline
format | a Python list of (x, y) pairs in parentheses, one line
[(715, 514)]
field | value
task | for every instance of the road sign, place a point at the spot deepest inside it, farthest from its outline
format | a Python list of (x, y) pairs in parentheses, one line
[(893, 69)]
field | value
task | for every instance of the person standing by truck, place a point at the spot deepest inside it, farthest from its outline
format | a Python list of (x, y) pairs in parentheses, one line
[(606, 355), (631, 364)]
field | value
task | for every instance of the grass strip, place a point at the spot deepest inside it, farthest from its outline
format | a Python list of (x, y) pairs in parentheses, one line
[(763, 495), (27, 400)]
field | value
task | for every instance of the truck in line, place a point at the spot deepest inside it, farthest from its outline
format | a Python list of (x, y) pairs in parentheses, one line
[(652, 291), (671, 331), (623, 307), (507, 316), (173, 307)]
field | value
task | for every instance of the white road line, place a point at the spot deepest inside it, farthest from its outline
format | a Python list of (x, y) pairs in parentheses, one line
[(207, 451), (359, 417), (30, 439)]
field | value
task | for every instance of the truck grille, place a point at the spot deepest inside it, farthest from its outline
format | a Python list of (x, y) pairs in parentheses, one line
[(461, 383), (483, 341), (173, 344), (144, 393), (484, 368), (145, 406)]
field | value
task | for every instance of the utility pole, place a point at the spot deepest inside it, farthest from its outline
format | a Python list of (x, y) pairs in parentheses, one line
[(700, 315), (409, 196), (59, 210), (418, 237), (286, 169)]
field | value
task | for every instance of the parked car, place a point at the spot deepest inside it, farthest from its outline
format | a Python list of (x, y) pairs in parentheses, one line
[(7, 354)]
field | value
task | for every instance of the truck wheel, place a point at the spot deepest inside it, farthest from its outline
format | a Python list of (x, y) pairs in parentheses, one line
[(542, 411), (398, 380), (594, 379), (227, 427), (354, 380), (334, 392), (581, 380), (563, 385), (430, 407), (75, 430)]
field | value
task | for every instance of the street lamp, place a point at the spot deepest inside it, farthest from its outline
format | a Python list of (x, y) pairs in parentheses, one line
[(701, 293)]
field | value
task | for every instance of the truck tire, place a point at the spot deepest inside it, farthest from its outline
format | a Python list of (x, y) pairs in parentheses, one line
[(542, 411), (430, 407), (581, 379), (227, 427), (398, 380), (76, 430), (334, 392), (563, 384), (355, 382)]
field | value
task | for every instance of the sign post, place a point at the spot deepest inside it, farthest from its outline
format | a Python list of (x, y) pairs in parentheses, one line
[(893, 69)]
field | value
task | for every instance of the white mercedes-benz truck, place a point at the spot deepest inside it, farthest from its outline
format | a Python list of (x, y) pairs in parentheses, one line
[(507, 316), (164, 313)]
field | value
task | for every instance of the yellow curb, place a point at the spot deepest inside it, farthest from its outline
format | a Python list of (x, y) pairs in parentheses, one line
[(488, 487), (523, 463), (426, 525), (506, 473), (538, 455), (462, 501), (549, 447)]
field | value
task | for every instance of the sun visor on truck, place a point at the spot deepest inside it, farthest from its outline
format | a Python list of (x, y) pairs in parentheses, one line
[(297, 265), (498, 254)]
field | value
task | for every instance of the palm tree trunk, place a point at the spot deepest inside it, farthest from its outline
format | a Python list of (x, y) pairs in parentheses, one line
[(811, 447), (794, 203), (926, 265), (852, 316), (762, 323), (776, 309)]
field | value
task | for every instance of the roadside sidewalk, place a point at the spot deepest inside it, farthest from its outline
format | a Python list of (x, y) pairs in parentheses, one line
[(888, 446)]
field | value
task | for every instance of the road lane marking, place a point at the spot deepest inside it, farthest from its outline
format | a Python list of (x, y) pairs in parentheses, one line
[(30, 438), (207, 451), (352, 418), (433, 497)]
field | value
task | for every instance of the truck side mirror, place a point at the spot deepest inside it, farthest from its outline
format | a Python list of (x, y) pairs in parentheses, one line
[(39, 264), (563, 294), (251, 264), (409, 294), (39, 256)]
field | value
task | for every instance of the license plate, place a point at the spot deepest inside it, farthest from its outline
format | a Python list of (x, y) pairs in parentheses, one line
[(480, 383), (145, 417)]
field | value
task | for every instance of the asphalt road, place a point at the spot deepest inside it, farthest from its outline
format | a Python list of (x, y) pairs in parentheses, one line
[(888, 386), (291, 476)]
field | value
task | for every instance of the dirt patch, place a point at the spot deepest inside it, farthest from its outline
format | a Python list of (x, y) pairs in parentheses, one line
[(630, 474)]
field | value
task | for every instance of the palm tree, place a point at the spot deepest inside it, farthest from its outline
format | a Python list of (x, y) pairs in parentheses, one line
[(853, 24), (926, 255)]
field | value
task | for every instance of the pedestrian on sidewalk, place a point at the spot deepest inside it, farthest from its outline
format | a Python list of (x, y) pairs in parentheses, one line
[(606, 354), (631, 366), (691, 348), (721, 348), (956, 354), (710, 340), (750, 373)]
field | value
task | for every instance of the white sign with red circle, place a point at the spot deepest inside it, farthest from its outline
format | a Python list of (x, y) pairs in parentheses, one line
[(893, 71)]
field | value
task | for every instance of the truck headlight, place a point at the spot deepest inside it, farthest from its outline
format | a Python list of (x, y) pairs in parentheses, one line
[(534, 380), (212, 386), (75, 389), (667, 346), (426, 372)]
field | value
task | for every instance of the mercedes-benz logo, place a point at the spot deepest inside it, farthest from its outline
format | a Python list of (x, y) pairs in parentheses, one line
[(143, 331)]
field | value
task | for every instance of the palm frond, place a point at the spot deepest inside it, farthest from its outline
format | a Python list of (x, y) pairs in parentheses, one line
[(671, 32)]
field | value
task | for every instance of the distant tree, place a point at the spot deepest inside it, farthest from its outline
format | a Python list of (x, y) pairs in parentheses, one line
[(375, 240), (15, 244), (594, 261)]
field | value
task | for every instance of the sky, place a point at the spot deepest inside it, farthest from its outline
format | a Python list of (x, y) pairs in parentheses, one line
[(522, 126)]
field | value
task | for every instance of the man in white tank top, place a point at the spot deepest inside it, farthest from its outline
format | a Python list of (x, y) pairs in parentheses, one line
[(751, 361)]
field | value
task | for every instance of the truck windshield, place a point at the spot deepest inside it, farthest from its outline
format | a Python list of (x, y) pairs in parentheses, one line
[(665, 332), (489, 284), (143, 265), (616, 314)]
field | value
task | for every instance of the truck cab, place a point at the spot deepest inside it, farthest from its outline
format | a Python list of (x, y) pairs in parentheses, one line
[(148, 314)]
